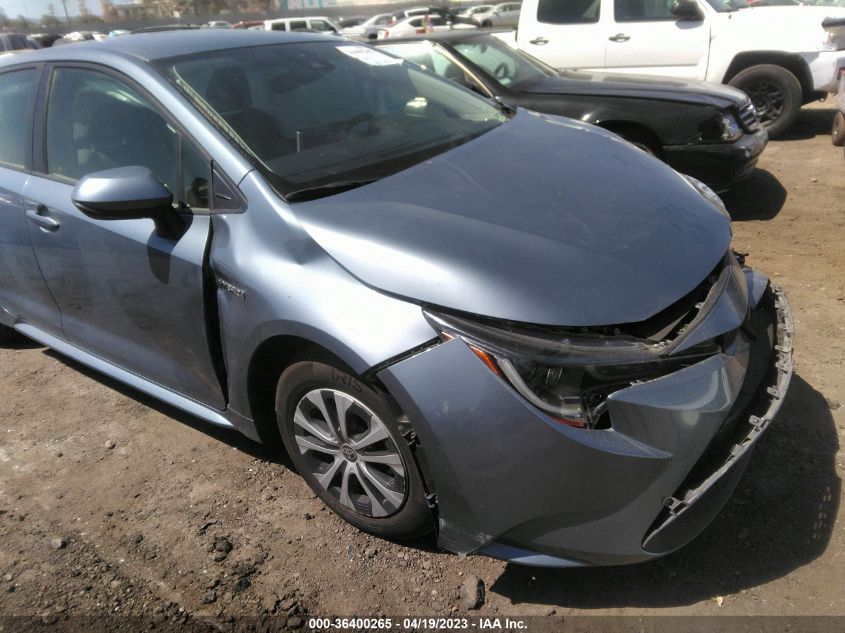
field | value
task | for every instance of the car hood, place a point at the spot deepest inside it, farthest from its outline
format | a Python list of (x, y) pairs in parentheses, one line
[(542, 220), (571, 82)]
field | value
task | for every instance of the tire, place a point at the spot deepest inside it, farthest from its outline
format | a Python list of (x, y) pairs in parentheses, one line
[(639, 138), (776, 94), (385, 499), (487, 24), (837, 134), (6, 333)]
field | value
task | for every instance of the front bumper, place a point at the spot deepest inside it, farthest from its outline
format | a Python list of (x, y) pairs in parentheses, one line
[(720, 166), (512, 483)]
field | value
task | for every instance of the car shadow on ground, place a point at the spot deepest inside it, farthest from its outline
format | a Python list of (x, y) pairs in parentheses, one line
[(760, 197), (271, 454), (780, 518), (229, 436), (811, 122)]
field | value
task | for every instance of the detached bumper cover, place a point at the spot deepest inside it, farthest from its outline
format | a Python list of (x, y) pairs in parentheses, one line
[(513, 483), (694, 508), (718, 165)]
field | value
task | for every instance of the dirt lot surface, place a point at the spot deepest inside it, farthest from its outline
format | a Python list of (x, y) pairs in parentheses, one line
[(111, 503)]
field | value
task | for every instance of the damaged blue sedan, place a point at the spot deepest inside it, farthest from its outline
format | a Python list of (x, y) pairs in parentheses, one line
[(514, 329)]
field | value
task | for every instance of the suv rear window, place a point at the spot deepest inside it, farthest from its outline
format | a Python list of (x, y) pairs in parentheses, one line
[(568, 11)]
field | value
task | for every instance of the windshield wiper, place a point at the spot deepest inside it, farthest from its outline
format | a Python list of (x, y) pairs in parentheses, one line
[(504, 107), (328, 189)]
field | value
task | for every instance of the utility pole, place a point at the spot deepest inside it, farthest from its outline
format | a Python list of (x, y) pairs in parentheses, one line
[(67, 17)]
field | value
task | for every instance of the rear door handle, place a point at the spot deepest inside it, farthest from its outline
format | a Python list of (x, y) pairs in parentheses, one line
[(539, 41), (619, 37), (36, 216)]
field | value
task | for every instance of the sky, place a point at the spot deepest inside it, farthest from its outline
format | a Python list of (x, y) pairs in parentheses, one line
[(34, 9)]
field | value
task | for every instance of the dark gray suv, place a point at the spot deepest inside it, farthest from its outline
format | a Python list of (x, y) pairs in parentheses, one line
[(514, 328)]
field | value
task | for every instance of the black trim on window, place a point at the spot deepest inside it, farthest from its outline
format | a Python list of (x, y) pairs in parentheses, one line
[(27, 167), (39, 145)]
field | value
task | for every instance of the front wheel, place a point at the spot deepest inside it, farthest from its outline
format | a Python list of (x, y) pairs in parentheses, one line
[(348, 442), (837, 134), (6, 333), (776, 95)]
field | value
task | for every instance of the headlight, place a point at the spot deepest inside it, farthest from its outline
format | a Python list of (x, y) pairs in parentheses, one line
[(722, 127), (569, 376), (711, 196)]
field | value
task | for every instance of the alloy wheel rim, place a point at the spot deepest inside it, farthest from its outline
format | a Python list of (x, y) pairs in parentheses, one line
[(350, 453), (769, 101)]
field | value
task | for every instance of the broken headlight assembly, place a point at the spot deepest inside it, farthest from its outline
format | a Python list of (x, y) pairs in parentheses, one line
[(723, 127), (567, 376)]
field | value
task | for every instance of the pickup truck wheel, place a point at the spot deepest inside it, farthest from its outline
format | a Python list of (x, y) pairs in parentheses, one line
[(345, 440), (775, 93), (837, 135)]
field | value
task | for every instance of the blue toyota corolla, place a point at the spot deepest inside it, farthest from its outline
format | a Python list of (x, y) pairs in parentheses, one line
[(515, 329)]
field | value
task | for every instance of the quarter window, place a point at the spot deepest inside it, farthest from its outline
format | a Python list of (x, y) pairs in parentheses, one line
[(17, 89), (568, 11)]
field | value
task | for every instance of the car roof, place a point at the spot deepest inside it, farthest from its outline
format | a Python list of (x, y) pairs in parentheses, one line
[(162, 45)]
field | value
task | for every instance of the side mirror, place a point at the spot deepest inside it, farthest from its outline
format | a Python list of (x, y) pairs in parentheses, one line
[(127, 193), (686, 10)]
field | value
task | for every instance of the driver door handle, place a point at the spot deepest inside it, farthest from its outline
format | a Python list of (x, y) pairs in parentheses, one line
[(539, 41), (36, 216), (619, 37)]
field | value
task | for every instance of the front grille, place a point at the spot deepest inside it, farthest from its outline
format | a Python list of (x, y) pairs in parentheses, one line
[(748, 117)]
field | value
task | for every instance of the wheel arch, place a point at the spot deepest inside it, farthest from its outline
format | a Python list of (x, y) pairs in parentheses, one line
[(790, 61), (267, 362), (621, 127), (278, 352)]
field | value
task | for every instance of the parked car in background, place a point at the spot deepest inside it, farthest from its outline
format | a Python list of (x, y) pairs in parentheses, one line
[(420, 24), (781, 57), (45, 40), (367, 30), (217, 24), (465, 16), (510, 323), (166, 27), (401, 14), (76, 37), (708, 131), (506, 14), (119, 32), (248, 24), (313, 24), (17, 42), (350, 21)]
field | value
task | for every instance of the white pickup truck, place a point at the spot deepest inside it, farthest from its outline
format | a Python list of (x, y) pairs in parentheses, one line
[(782, 56)]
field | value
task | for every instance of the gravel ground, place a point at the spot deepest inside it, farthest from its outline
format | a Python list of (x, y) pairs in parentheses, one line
[(114, 504)]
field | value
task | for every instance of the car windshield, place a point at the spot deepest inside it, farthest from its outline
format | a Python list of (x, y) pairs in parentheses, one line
[(317, 114), (506, 65)]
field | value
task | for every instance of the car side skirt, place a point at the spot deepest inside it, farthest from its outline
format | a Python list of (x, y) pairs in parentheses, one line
[(226, 419)]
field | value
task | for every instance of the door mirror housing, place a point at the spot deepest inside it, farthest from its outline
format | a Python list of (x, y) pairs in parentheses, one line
[(124, 193), (687, 10)]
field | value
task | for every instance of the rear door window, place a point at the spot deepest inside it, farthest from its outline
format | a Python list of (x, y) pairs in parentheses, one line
[(17, 92), (643, 10), (568, 11)]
